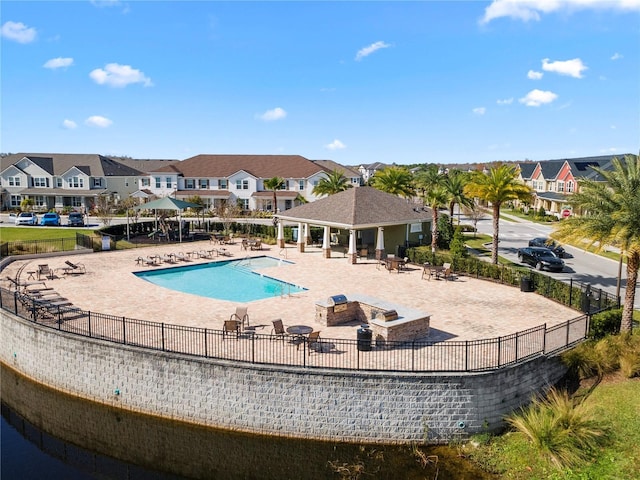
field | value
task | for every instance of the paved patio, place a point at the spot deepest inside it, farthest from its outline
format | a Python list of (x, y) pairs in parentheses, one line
[(462, 309)]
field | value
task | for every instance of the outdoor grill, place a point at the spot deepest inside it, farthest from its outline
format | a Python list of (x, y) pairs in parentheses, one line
[(387, 315), (338, 302)]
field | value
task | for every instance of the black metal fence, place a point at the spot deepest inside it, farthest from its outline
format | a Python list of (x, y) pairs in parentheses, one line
[(348, 354)]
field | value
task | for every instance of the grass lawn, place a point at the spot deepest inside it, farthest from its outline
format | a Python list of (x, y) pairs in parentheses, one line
[(615, 401), (18, 234)]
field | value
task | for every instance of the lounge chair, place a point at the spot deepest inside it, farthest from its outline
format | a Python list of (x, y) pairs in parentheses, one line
[(75, 268), (205, 253), (256, 245), (181, 256), (18, 284), (168, 258), (231, 326), (150, 260), (278, 329), (241, 315)]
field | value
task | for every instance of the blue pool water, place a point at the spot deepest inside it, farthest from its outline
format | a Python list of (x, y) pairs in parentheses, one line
[(233, 280)]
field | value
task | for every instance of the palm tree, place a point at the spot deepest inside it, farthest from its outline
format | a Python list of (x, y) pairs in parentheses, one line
[(274, 183), (334, 182), (432, 184), (610, 216), (499, 185), (394, 180), (454, 184)]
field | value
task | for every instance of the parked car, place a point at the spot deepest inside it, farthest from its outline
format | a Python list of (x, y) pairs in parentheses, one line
[(51, 219), (26, 218), (76, 219), (547, 243), (541, 258)]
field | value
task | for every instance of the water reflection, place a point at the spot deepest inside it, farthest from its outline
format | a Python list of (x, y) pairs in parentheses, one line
[(102, 442)]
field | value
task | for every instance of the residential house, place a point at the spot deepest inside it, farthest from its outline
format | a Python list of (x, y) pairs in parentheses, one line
[(239, 179), (368, 171), (353, 176), (553, 181), (63, 181)]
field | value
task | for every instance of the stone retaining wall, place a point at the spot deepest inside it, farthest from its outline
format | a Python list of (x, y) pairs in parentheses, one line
[(322, 404)]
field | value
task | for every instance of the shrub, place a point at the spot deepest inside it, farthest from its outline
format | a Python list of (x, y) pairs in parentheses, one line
[(605, 323), (563, 432)]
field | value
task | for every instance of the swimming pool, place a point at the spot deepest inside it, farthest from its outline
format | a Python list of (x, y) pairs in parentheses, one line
[(233, 280)]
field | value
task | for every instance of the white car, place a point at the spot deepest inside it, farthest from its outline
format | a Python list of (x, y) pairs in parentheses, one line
[(27, 218)]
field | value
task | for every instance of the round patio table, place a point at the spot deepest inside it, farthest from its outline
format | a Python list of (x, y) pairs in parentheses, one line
[(299, 330)]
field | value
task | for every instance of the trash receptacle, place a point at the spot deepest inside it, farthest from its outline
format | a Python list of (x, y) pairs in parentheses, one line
[(364, 338), (526, 284)]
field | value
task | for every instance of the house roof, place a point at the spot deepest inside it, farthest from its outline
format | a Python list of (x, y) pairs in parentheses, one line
[(526, 169), (363, 207), (145, 165), (260, 166), (59, 163), (329, 166)]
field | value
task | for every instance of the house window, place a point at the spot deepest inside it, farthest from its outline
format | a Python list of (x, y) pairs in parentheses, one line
[(39, 182), (76, 182), (244, 203), (169, 181), (145, 182), (97, 182), (158, 182), (222, 184), (58, 182), (15, 200), (14, 181), (38, 201), (76, 201), (570, 186), (190, 183), (561, 186), (204, 184), (300, 184), (242, 184)]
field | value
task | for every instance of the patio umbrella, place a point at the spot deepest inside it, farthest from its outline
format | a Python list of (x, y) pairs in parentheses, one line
[(169, 203)]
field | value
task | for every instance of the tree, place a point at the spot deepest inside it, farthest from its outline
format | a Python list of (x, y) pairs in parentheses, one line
[(26, 204), (334, 182), (475, 213), (394, 180), (499, 185), (274, 183), (610, 215), (103, 208), (432, 184), (454, 184)]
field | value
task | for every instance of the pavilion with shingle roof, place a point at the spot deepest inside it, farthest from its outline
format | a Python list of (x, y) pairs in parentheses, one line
[(368, 214)]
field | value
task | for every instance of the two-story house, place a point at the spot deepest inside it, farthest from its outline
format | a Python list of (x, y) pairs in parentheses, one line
[(553, 181), (239, 179), (63, 181)]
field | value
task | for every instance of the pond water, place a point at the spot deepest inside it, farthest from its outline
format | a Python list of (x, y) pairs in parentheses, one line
[(46, 434)]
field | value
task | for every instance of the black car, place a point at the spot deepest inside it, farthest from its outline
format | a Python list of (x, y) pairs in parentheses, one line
[(541, 258), (76, 219), (549, 243)]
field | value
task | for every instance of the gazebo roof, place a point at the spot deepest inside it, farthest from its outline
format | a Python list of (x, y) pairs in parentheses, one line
[(358, 208)]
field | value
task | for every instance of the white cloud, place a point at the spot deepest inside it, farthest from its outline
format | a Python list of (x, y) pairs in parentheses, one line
[(505, 101), (116, 75), (272, 115), (69, 124), (480, 110), (18, 32), (616, 56), (366, 51), (536, 97), (527, 10), (572, 68), (98, 121), (58, 63), (533, 75), (335, 145)]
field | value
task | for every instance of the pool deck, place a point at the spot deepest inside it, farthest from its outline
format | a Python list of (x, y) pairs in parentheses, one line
[(461, 309)]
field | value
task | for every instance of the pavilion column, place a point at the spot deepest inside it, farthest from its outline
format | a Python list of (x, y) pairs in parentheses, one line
[(307, 233), (301, 237), (351, 254), (380, 244), (326, 242), (280, 234)]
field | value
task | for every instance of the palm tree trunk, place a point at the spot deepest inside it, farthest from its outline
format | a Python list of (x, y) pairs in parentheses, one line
[(633, 261), (275, 203), (434, 230), (496, 233)]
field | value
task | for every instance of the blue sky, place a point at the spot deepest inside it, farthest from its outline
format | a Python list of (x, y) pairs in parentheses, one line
[(355, 82)]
